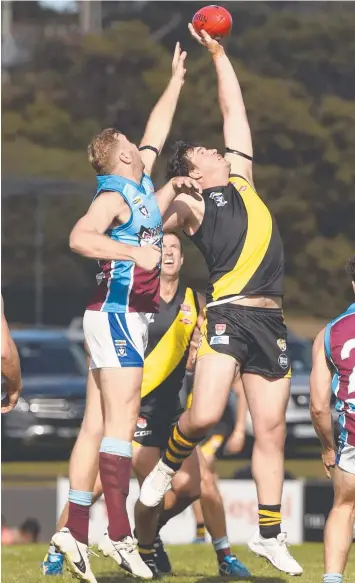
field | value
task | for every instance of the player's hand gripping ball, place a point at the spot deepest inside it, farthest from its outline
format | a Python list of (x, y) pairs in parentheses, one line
[(215, 20)]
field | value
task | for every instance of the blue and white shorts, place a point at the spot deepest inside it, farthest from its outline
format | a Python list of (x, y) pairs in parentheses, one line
[(346, 458), (115, 340)]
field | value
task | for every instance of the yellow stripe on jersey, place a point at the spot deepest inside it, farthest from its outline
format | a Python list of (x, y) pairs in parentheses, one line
[(259, 231), (169, 351)]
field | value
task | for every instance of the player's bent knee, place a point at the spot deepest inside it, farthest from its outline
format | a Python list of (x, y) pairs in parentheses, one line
[(187, 486), (202, 422)]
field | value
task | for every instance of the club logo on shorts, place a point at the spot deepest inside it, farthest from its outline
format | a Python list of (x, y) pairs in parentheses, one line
[(220, 329), (281, 343), (143, 209), (218, 198), (121, 347), (142, 423), (283, 361)]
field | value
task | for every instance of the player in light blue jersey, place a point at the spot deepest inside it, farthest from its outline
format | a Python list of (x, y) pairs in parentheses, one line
[(123, 230)]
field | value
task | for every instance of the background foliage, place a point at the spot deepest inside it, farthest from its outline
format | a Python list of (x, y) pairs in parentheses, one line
[(296, 65)]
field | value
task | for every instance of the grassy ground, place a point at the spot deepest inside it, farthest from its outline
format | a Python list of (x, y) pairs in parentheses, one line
[(192, 564)]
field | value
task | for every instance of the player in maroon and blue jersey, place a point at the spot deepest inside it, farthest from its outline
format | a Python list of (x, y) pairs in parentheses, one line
[(334, 369)]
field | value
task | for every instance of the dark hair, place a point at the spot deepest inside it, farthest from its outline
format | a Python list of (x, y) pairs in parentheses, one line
[(31, 526), (350, 267), (179, 164), (178, 236)]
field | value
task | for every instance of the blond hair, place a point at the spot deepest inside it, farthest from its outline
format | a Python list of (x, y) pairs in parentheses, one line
[(101, 148)]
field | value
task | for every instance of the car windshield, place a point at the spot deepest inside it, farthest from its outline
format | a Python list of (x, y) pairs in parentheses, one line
[(301, 356), (51, 358)]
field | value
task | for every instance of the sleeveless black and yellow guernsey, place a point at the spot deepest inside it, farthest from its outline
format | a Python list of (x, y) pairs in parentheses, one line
[(169, 335), (242, 246)]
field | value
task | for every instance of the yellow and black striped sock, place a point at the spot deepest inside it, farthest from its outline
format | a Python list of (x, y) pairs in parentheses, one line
[(146, 551), (179, 448), (269, 520), (200, 530)]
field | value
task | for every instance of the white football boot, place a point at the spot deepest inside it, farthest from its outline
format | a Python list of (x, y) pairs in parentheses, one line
[(275, 550), (126, 555), (156, 485), (76, 555)]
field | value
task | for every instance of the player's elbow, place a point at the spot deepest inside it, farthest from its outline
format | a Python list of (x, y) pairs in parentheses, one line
[(77, 242), (318, 409)]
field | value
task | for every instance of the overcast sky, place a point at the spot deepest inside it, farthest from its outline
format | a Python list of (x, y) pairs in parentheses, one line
[(60, 5)]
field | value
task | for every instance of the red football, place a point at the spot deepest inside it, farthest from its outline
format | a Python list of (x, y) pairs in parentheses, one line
[(215, 20)]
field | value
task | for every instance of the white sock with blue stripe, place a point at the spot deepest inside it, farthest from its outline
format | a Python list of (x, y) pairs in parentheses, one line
[(332, 578), (116, 447)]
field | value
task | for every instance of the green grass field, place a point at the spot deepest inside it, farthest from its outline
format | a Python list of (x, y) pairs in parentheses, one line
[(191, 563)]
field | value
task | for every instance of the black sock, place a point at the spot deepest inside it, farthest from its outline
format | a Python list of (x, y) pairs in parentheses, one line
[(179, 448), (146, 551), (269, 520)]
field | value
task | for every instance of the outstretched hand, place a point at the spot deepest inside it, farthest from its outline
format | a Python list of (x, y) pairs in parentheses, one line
[(211, 44), (186, 185), (178, 64)]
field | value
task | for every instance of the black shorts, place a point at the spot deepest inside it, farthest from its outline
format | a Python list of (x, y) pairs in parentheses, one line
[(154, 430), (218, 436), (255, 337)]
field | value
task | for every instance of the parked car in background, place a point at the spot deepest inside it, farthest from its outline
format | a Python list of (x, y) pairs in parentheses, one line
[(48, 415)]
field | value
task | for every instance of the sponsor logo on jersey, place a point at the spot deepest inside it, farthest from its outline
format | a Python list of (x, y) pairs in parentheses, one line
[(219, 340), (137, 200), (218, 198), (283, 361), (242, 188), (281, 343), (185, 321), (142, 433), (186, 310), (143, 209), (142, 423), (148, 236), (220, 329)]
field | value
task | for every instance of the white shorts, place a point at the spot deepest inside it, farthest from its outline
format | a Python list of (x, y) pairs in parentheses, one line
[(115, 340), (346, 458)]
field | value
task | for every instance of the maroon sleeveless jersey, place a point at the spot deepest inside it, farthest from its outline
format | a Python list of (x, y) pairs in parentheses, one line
[(339, 344)]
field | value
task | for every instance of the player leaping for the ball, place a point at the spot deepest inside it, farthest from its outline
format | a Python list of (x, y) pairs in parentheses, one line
[(244, 329), (123, 229), (333, 368)]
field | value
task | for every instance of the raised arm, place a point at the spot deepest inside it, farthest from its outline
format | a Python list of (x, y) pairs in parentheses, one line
[(10, 367), (237, 135), (320, 388), (88, 236), (178, 185), (160, 120)]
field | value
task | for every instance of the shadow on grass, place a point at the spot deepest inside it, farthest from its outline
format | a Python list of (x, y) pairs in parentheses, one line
[(114, 577)]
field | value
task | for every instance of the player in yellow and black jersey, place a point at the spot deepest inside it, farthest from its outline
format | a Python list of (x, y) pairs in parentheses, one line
[(170, 334), (244, 330)]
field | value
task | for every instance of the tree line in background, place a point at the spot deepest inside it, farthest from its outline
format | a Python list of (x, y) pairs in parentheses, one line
[(296, 66)]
